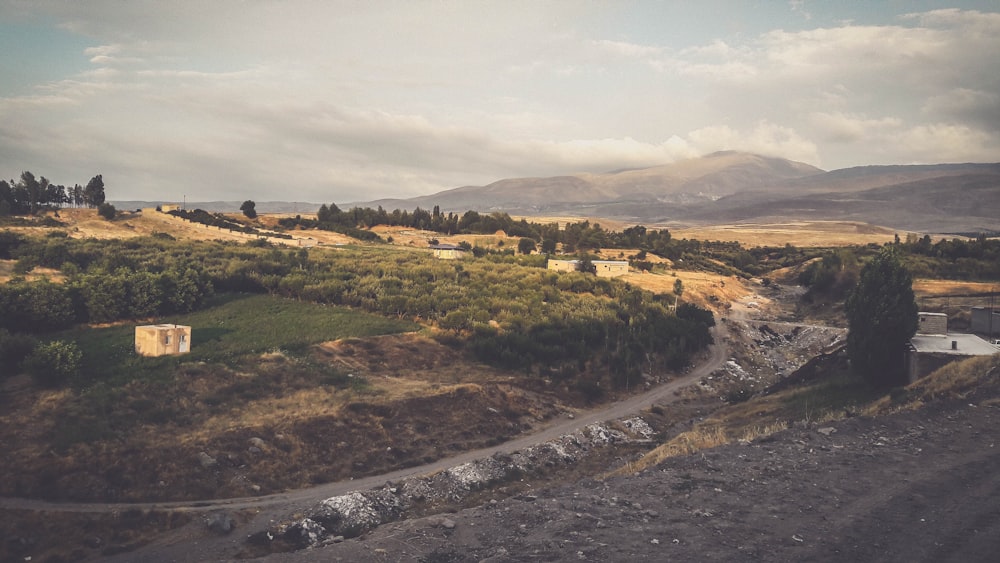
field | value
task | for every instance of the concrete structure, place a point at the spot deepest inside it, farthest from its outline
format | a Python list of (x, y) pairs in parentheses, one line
[(981, 322), (162, 340), (932, 323), (448, 251), (563, 265), (929, 352), (170, 207), (604, 268)]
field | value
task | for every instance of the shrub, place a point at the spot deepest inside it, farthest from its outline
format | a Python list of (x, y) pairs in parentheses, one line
[(14, 347), (107, 211), (52, 363)]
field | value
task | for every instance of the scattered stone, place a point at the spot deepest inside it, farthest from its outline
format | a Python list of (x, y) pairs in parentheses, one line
[(206, 460), (220, 523), (448, 524), (257, 442), (826, 431)]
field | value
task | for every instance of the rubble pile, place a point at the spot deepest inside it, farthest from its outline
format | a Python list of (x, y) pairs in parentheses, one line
[(355, 513)]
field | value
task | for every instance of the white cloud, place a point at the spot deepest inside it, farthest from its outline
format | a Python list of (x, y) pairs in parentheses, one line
[(844, 128), (765, 138), (258, 98)]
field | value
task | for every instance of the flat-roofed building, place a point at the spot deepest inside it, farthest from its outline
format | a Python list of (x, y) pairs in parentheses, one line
[(162, 340)]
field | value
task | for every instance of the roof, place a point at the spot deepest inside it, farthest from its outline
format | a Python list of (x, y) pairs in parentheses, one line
[(968, 345), (577, 261), (447, 247)]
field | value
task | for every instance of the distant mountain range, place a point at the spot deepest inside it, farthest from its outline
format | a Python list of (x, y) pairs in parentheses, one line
[(728, 187), (721, 188)]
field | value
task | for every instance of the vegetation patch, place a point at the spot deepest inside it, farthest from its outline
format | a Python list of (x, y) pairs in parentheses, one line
[(834, 394)]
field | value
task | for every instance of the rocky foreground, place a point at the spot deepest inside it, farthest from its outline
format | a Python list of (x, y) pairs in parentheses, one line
[(914, 486)]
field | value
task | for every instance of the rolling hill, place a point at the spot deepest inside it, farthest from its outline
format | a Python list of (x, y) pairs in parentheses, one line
[(730, 186)]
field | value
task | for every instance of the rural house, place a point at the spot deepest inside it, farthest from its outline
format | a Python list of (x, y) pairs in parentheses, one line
[(448, 251), (933, 347), (162, 340), (604, 268), (986, 321)]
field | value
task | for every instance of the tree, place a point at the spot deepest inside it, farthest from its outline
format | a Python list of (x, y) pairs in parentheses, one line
[(526, 246), (249, 208), (52, 363), (882, 317), (93, 194)]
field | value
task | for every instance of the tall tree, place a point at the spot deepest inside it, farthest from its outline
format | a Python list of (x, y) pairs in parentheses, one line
[(32, 188), (882, 317), (249, 208), (93, 194), (77, 195)]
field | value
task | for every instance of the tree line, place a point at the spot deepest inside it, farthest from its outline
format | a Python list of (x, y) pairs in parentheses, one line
[(29, 195)]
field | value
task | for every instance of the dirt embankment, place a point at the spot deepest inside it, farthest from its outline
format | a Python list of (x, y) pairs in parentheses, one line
[(916, 486)]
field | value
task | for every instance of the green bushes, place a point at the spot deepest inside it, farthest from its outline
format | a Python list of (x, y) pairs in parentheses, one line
[(53, 363), (35, 307), (506, 309), (14, 348)]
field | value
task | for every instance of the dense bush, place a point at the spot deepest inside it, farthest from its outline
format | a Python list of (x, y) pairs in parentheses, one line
[(53, 363), (14, 347)]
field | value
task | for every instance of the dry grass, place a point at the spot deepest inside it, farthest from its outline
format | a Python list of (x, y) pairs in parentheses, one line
[(685, 443), (797, 233), (940, 288), (7, 272), (705, 289), (85, 223), (830, 398), (953, 381), (405, 236)]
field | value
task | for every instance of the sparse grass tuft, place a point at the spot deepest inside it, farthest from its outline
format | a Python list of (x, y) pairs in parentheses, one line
[(826, 400), (953, 381)]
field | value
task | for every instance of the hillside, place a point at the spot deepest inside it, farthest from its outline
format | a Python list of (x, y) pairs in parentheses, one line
[(952, 203), (729, 187), (698, 179)]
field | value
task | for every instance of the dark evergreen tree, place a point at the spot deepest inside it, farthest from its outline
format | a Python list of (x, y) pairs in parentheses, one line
[(882, 317), (93, 194), (249, 208)]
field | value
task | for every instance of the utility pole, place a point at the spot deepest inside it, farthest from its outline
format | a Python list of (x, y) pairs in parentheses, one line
[(993, 295)]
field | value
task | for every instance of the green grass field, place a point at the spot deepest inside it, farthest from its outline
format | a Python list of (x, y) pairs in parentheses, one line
[(231, 328)]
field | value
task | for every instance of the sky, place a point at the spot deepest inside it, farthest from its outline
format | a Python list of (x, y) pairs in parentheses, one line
[(345, 101)]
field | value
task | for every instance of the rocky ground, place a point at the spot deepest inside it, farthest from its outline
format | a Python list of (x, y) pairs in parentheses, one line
[(915, 486)]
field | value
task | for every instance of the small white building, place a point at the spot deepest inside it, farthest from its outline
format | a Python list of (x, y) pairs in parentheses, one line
[(448, 251), (162, 340), (603, 268), (932, 323)]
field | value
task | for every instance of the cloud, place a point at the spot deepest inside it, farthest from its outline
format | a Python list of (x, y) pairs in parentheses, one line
[(965, 105), (328, 101), (765, 138), (844, 128)]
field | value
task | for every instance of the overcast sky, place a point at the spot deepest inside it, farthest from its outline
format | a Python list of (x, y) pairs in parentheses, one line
[(346, 101)]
